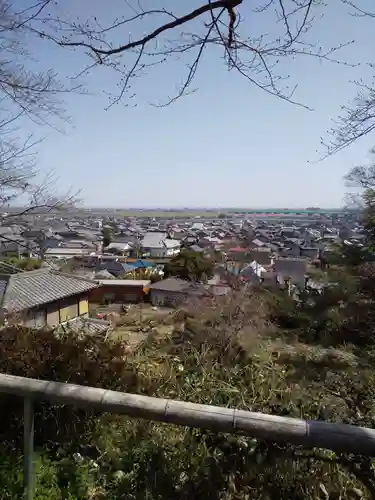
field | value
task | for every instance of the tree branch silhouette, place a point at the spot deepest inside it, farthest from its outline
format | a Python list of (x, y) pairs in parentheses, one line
[(216, 23)]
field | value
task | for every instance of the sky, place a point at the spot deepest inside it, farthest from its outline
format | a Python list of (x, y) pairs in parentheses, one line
[(229, 144)]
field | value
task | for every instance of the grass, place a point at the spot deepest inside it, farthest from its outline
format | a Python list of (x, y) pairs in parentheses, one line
[(139, 322)]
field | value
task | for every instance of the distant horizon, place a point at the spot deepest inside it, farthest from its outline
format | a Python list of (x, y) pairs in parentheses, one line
[(213, 208), (82, 206)]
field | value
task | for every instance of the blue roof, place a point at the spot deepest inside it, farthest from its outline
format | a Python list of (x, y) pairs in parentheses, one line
[(128, 267), (141, 263)]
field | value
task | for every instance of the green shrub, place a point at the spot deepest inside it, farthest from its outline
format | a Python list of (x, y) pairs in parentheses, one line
[(224, 352), (67, 358)]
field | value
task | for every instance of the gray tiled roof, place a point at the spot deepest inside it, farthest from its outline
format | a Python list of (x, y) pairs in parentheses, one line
[(154, 239), (88, 326), (290, 266), (173, 284), (30, 289)]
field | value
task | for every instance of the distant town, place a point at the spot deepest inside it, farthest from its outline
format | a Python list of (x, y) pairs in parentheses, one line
[(123, 254)]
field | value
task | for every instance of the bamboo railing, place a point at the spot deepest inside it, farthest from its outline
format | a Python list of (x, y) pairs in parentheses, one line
[(308, 433)]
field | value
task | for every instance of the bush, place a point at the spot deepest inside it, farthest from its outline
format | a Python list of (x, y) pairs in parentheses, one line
[(224, 351), (67, 358)]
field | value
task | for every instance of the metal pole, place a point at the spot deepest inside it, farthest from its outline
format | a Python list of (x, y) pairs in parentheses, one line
[(28, 448)]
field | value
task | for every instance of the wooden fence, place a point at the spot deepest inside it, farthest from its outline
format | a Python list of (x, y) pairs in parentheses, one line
[(319, 434)]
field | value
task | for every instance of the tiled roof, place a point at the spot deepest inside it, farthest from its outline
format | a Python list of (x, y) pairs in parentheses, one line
[(237, 250), (88, 326), (30, 289), (290, 266), (173, 284), (154, 239)]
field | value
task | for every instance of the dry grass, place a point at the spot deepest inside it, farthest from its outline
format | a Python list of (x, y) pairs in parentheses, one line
[(142, 321), (254, 370)]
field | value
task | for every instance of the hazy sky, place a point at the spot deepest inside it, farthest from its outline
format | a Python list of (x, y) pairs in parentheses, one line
[(228, 144)]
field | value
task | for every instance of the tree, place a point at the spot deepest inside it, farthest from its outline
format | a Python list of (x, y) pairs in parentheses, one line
[(107, 236), (362, 178), (26, 94), (189, 265), (369, 216), (353, 255), (186, 34), (358, 116), (183, 36)]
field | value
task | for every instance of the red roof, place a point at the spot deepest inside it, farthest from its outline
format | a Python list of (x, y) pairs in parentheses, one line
[(237, 249)]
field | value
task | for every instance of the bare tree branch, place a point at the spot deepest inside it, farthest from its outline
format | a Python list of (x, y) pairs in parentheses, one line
[(362, 177), (358, 12), (357, 120), (215, 22), (25, 94), (218, 4), (358, 116), (124, 46)]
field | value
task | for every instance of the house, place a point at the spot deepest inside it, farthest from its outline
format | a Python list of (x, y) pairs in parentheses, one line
[(290, 232), (53, 241), (210, 242), (43, 297), (110, 291), (116, 247), (253, 272), (237, 254), (65, 253), (17, 248), (79, 244), (188, 241), (103, 275), (197, 226), (290, 251), (292, 269), (115, 267), (173, 291), (142, 264), (270, 280), (157, 244), (262, 255), (257, 243), (310, 252)]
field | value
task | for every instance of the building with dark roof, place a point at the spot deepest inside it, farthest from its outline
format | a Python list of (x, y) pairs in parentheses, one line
[(173, 291), (43, 297)]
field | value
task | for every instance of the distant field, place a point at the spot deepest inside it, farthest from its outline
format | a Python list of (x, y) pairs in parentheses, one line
[(168, 213)]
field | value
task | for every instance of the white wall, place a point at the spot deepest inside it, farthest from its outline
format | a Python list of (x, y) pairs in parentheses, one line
[(163, 252)]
